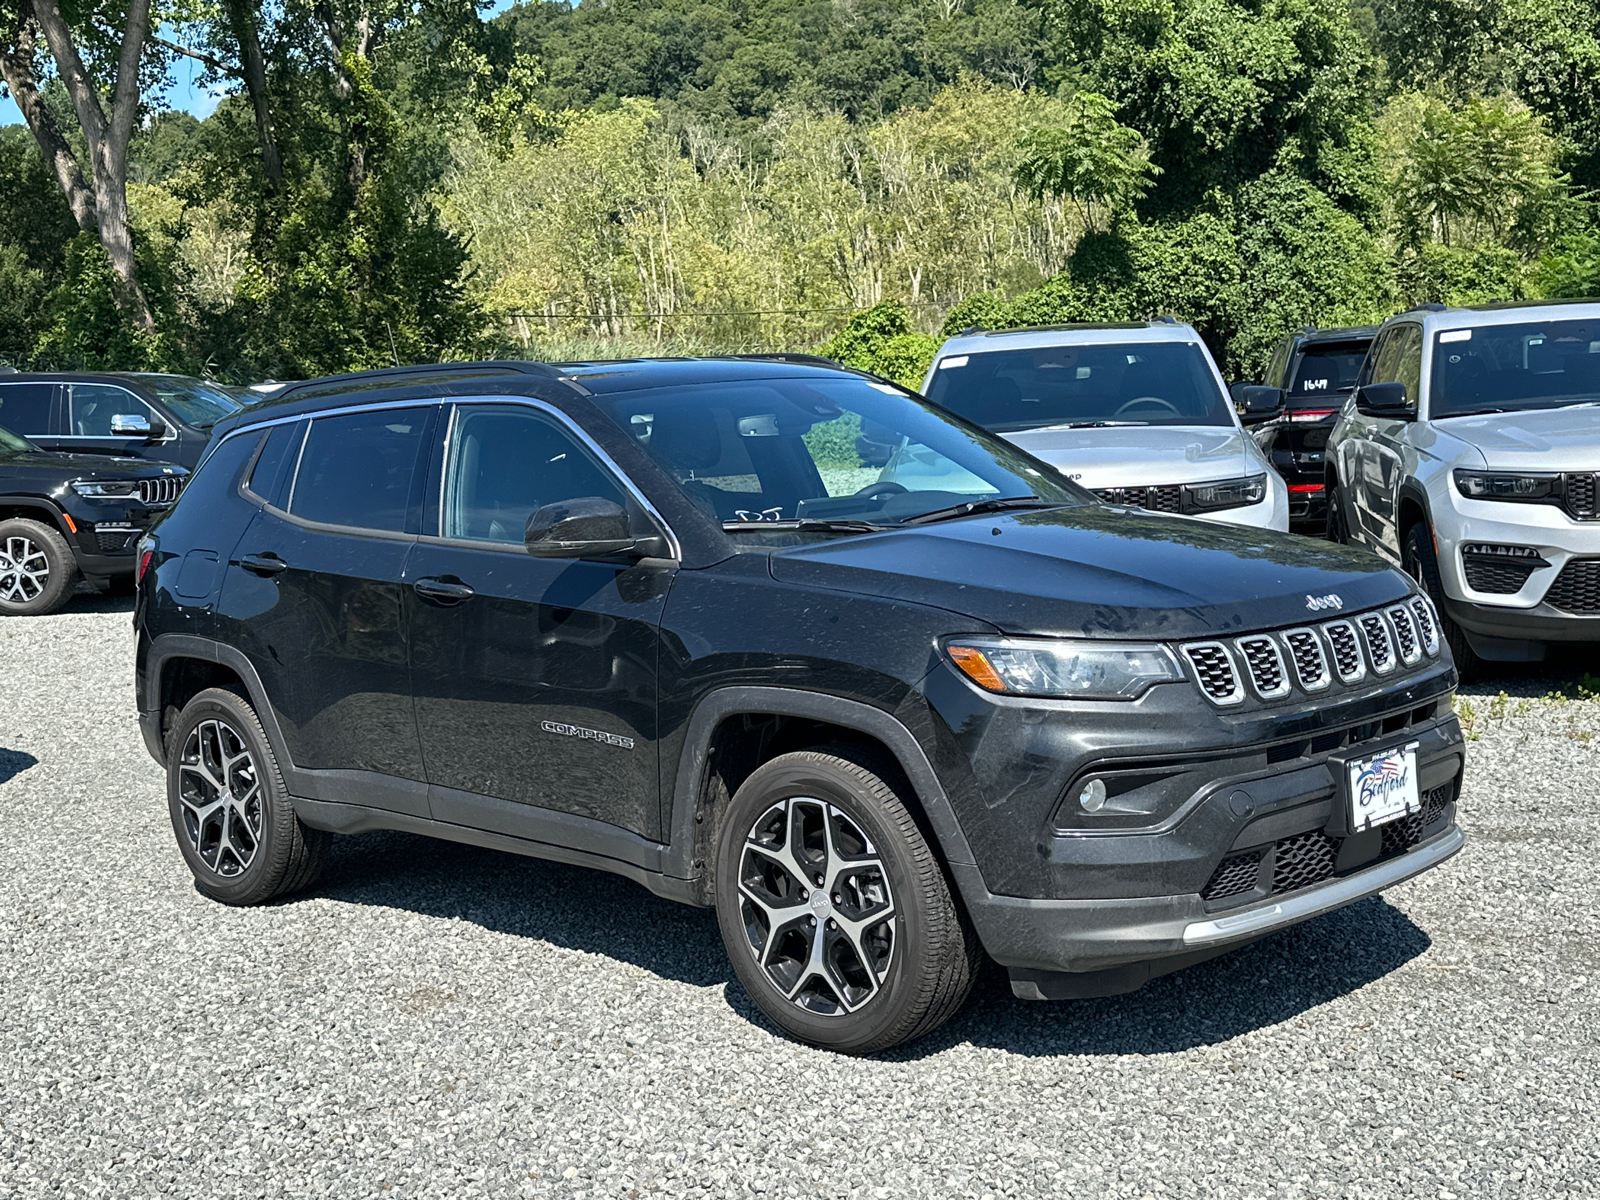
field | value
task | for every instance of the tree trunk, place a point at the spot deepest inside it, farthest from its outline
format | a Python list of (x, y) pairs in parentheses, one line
[(253, 69), (17, 69)]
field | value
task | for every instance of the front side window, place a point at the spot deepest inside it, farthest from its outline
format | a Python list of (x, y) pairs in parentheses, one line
[(1129, 383), (836, 448), (358, 469), (92, 405), (25, 407), (504, 463), (1504, 368)]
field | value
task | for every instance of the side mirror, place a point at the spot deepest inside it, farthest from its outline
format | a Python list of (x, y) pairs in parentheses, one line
[(134, 425), (1385, 400), (587, 527), (1259, 403)]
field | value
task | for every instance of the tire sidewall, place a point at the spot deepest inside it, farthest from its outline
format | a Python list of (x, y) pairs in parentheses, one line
[(63, 567), (259, 880), (781, 780), (1422, 564)]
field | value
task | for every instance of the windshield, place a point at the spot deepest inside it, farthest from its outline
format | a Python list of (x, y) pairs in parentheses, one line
[(1543, 364), (1328, 370), (828, 449), (1132, 383), (11, 443), (198, 404)]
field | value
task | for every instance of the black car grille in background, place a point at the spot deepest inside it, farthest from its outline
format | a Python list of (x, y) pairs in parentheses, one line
[(112, 539), (1577, 588), (158, 493), (1495, 576), (1304, 860), (1166, 498), (1579, 501)]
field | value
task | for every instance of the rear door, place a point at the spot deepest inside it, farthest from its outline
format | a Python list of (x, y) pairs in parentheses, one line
[(25, 408), (312, 597), (535, 678)]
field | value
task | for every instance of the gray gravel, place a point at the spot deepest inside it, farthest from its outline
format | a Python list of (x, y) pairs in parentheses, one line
[(440, 1021)]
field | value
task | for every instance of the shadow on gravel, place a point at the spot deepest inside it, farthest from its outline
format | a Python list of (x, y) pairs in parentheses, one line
[(1566, 665), (1272, 981), (14, 763), (87, 600)]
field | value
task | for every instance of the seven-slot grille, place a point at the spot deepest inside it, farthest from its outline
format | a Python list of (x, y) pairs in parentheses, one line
[(1380, 641), (158, 493)]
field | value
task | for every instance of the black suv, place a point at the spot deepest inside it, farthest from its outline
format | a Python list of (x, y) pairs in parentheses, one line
[(659, 618), (165, 418), (1314, 371), (65, 515)]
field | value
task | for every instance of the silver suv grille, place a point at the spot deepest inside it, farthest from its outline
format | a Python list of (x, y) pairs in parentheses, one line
[(1348, 648), (158, 493)]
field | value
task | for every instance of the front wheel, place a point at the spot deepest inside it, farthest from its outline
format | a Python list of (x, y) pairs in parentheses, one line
[(1338, 530), (37, 570), (1422, 564), (834, 908)]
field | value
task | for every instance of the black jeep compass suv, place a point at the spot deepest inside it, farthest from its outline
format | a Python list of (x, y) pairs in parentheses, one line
[(660, 618)]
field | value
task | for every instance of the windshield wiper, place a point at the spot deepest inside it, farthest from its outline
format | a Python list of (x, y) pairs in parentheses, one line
[(1472, 412), (1094, 424), (804, 525), (972, 507)]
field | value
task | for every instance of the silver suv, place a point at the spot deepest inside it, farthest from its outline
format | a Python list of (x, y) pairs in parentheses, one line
[(1470, 454), (1136, 413)]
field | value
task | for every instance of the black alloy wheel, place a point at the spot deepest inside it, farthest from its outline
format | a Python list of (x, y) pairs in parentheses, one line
[(1422, 564), (834, 907), (230, 811), (37, 570)]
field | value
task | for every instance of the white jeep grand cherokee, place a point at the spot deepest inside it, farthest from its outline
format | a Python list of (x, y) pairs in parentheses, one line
[(1470, 454)]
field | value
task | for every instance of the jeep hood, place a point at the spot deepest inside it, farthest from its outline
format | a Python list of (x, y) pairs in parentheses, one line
[(1102, 572), (1143, 455), (1552, 439)]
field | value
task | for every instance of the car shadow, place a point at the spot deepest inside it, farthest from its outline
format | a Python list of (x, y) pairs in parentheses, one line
[(1265, 984), (14, 763), (87, 600)]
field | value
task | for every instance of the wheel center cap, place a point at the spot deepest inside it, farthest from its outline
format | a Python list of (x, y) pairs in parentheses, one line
[(820, 904)]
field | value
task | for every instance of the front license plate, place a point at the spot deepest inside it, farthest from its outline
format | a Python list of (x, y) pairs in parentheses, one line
[(1383, 788)]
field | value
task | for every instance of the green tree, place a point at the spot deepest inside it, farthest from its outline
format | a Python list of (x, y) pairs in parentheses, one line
[(1089, 158)]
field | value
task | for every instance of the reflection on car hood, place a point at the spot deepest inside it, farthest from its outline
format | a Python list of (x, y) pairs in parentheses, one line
[(1554, 439), (1143, 454), (88, 466), (1102, 572)]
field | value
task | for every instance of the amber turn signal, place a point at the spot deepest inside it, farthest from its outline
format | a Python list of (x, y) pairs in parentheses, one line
[(976, 667)]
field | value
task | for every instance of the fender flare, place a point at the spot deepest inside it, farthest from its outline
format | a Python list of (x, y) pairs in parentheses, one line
[(818, 706), (1410, 489), (168, 646), (47, 507)]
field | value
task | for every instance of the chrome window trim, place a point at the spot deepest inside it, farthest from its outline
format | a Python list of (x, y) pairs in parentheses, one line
[(1322, 656), (1238, 681), (1282, 690)]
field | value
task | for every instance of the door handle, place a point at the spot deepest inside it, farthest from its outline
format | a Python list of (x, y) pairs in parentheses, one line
[(444, 591), (263, 564)]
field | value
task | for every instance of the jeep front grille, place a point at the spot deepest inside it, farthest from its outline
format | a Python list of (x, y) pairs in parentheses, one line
[(1405, 633), (1310, 664), (1213, 667), (1265, 664), (1427, 627), (1347, 658), (1380, 650), (1163, 498), (158, 493), (1580, 491), (1577, 588)]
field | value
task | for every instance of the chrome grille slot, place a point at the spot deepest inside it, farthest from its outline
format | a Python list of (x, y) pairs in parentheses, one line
[(1310, 664), (1405, 633), (1427, 627), (1347, 660), (1265, 666), (1380, 646), (1214, 670), (158, 493)]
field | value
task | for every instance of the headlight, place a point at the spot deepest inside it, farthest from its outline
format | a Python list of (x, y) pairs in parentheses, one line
[(94, 489), (1227, 493), (1502, 485), (1091, 670)]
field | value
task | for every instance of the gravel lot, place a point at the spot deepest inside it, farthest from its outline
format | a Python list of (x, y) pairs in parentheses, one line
[(440, 1021)]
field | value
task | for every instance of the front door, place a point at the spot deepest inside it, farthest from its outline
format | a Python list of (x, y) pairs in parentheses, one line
[(534, 679)]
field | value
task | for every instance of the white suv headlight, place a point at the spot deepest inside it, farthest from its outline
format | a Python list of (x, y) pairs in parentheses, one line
[(1507, 485), (1227, 493), (1070, 668)]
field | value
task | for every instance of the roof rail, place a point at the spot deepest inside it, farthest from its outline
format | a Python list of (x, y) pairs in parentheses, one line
[(813, 360), (1164, 319), (971, 329), (1433, 306), (400, 374)]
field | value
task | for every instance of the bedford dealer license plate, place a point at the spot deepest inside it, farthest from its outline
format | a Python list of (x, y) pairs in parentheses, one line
[(1383, 788)]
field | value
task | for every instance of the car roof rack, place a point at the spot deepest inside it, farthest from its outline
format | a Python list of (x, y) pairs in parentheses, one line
[(355, 379), (787, 356)]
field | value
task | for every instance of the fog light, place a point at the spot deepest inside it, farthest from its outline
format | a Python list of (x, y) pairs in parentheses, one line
[(1093, 796)]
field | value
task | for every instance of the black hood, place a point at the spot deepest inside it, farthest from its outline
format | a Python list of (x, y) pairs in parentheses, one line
[(49, 464), (1102, 572)]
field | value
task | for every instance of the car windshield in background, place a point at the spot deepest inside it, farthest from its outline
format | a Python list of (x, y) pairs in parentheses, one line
[(826, 454), (199, 404), (1131, 383), (11, 443), (1503, 368), (1328, 370)]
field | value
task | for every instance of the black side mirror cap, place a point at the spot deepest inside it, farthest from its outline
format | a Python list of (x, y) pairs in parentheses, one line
[(587, 527), (1385, 400), (1256, 402)]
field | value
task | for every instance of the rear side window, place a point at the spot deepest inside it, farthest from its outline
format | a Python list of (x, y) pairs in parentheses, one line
[(25, 407), (357, 469), (268, 473)]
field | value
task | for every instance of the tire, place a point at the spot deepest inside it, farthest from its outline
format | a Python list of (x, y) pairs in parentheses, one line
[(1422, 564), (896, 956), (230, 811), (1338, 531), (37, 571)]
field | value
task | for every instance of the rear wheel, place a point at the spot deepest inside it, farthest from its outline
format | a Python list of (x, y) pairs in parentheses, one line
[(834, 908), (37, 570), (1422, 564), (230, 811)]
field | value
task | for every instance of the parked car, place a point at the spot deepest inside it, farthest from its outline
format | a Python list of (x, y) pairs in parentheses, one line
[(65, 516), (1470, 454), (164, 418), (1138, 414), (653, 618), (1314, 371)]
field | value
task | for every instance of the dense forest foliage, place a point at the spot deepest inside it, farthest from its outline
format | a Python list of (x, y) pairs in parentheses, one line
[(401, 181)]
